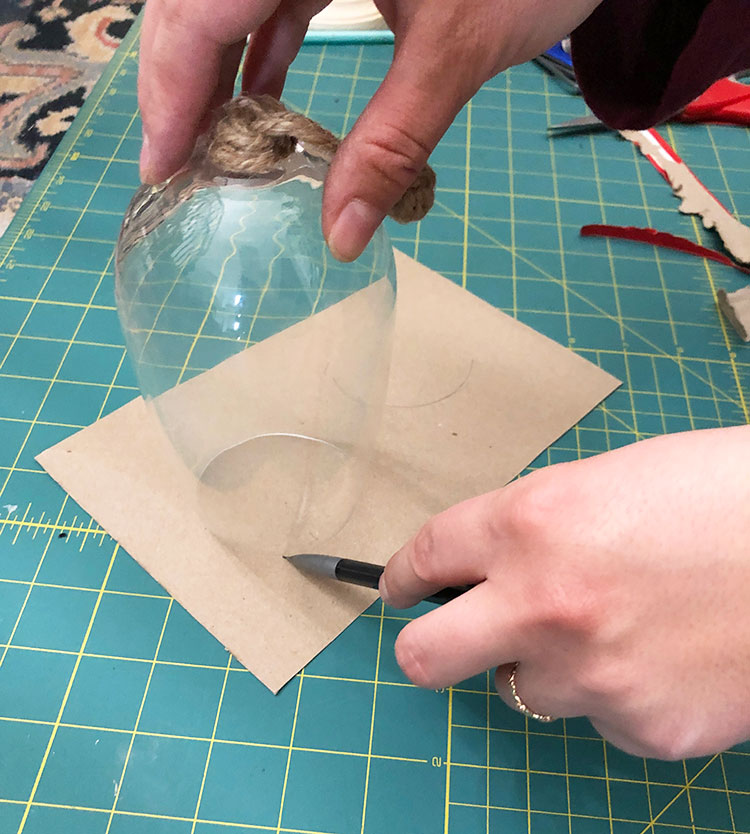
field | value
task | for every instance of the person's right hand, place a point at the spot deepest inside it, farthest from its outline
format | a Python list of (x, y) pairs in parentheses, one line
[(618, 583), (444, 51)]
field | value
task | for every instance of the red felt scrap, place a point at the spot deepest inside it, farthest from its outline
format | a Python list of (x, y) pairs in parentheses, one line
[(664, 240), (726, 101)]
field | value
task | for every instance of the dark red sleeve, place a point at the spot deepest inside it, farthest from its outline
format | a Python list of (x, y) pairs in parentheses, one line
[(640, 61)]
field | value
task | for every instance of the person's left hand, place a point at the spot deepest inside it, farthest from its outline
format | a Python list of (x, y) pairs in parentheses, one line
[(620, 583), (444, 51)]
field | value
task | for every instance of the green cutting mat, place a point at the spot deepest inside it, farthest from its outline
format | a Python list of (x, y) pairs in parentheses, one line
[(119, 714)]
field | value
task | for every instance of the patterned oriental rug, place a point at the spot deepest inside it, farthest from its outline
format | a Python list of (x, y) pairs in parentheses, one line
[(51, 54)]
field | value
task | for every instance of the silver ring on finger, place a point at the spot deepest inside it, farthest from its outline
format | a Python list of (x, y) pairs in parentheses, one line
[(518, 701)]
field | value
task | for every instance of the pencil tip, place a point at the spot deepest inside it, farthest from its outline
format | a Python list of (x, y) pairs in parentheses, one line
[(315, 563)]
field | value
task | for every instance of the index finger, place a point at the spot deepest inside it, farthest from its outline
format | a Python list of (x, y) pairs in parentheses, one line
[(188, 49), (455, 547)]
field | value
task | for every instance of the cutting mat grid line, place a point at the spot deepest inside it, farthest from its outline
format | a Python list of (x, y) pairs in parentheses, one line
[(120, 715)]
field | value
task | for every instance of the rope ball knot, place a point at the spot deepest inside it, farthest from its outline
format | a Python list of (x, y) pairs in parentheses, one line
[(253, 134)]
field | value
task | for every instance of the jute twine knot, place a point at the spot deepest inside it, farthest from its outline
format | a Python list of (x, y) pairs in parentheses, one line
[(255, 133)]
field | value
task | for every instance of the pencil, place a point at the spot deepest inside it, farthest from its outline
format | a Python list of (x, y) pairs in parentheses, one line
[(353, 572)]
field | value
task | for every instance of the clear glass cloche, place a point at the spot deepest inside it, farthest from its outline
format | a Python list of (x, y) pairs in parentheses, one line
[(264, 358)]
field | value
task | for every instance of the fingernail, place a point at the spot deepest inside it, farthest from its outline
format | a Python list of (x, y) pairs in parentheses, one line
[(352, 230), (383, 590), (144, 163)]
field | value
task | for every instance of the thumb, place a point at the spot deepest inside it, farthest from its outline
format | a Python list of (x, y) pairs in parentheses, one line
[(389, 145)]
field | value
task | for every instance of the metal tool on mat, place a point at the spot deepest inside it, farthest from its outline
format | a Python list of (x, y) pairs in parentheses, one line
[(557, 62), (725, 102)]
